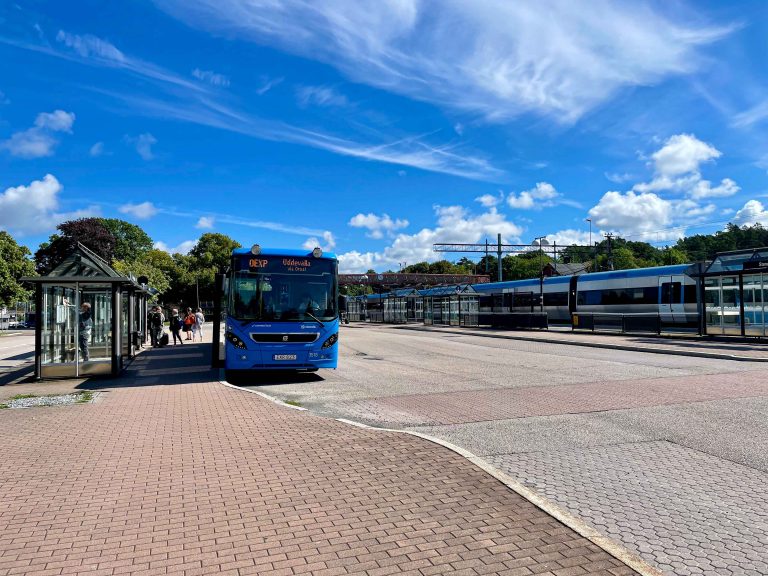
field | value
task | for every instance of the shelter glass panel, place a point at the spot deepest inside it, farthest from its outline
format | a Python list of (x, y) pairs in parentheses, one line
[(754, 313), (712, 306)]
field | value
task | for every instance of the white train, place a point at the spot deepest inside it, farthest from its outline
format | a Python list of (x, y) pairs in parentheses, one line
[(669, 291)]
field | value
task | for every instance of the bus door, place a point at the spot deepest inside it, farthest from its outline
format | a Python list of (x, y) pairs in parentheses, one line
[(671, 306)]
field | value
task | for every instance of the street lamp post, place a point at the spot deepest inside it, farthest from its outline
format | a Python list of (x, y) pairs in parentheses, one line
[(591, 248), (540, 239)]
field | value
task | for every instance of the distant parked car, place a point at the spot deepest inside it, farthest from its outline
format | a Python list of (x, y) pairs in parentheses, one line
[(16, 325)]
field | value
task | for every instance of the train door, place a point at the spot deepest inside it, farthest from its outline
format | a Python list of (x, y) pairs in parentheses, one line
[(572, 295), (671, 306)]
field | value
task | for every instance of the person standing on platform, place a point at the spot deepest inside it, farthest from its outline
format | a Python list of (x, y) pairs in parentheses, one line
[(176, 326), (199, 321), (189, 322), (156, 321)]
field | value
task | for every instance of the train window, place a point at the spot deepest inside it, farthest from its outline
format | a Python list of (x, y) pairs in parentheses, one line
[(556, 299), (689, 294)]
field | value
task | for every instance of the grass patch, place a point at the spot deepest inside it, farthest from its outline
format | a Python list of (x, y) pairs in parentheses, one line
[(3, 406), (293, 403), (23, 396), (85, 397)]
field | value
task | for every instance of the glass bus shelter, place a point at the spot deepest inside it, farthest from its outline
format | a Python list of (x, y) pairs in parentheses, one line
[(118, 318), (736, 293), (450, 305)]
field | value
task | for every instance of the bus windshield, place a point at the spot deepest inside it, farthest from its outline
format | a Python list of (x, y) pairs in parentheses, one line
[(283, 297)]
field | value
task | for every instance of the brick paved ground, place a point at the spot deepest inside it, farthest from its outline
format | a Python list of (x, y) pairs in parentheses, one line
[(169, 473), (690, 512), (498, 404)]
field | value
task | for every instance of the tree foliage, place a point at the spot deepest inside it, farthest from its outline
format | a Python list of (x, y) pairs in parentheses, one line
[(131, 241), (90, 232), (14, 263)]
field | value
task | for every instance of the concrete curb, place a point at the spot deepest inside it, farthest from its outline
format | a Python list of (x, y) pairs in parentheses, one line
[(610, 546), (668, 351)]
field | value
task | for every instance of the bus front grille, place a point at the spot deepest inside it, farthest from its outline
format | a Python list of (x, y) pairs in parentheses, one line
[(279, 338)]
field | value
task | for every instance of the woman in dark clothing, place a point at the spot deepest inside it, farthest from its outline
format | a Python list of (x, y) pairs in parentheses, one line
[(84, 330), (176, 324)]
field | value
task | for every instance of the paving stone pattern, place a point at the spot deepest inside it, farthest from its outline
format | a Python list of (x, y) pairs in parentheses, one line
[(682, 510), (504, 403), (163, 477)]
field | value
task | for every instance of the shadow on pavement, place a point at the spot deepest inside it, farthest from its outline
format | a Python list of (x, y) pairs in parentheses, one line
[(273, 378), (171, 365), (22, 356)]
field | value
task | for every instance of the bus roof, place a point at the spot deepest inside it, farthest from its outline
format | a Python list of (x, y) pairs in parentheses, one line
[(303, 253)]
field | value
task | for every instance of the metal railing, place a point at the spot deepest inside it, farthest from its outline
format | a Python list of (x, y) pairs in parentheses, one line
[(648, 322)]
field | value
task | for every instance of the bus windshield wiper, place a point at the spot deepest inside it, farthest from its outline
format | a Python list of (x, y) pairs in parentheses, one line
[(315, 318)]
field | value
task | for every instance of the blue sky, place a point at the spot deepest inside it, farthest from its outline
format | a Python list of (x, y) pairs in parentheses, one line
[(379, 128)]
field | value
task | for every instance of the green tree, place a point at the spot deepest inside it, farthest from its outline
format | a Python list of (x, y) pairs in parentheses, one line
[(418, 268), (130, 240), (213, 251), (193, 274), (90, 232), (14, 263), (157, 265)]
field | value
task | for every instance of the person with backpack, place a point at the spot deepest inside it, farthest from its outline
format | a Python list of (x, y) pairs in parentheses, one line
[(189, 322), (176, 325), (156, 320)]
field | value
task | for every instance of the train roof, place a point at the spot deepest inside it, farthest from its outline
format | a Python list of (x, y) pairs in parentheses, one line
[(590, 277), (283, 252), (496, 286), (636, 273)]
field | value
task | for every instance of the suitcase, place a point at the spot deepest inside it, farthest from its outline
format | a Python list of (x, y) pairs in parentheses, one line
[(164, 339)]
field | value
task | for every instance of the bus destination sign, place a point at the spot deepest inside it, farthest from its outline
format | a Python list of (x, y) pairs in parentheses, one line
[(278, 265)]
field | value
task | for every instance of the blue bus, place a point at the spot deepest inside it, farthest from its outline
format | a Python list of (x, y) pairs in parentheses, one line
[(281, 311)]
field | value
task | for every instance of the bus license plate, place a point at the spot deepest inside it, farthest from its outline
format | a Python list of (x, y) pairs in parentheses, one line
[(284, 357)]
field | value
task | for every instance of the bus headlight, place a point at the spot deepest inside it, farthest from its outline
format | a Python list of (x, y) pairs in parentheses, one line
[(235, 341), (331, 340)]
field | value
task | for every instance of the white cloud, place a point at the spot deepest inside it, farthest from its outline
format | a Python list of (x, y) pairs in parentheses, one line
[(211, 77), (682, 154), (489, 200), (753, 212), (143, 144), (704, 189), (377, 225), (267, 84), (324, 96), (39, 141), (677, 169), (541, 196), (570, 236), (97, 149), (496, 58), (617, 178), (205, 222), (182, 248), (30, 143), (327, 244), (455, 224), (3, 99), (34, 208), (141, 211), (459, 128), (754, 115), (96, 51), (90, 46), (631, 214), (56, 121)]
